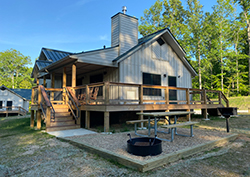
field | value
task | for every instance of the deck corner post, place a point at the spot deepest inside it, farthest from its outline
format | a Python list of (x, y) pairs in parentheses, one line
[(141, 95), (73, 77), (64, 84), (32, 122), (167, 95), (106, 121), (32, 95), (87, 94), (52, 86), (87, 119), (188, 103)]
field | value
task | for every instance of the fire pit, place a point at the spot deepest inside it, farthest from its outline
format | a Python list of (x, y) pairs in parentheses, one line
[(144, 146)]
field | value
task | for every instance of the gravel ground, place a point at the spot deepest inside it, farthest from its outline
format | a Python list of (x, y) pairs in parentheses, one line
[(117, 142)]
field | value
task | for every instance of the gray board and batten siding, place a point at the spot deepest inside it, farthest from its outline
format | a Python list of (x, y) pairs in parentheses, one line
[(154, 59)]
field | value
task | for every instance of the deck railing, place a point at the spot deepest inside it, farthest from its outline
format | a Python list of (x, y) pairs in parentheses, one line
[(104, 93), (45, 105), (13, 109)]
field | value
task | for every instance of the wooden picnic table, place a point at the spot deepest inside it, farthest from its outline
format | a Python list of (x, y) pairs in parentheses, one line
[(172, 127)]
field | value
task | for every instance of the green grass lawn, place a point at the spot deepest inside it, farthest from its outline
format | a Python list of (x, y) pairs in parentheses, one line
[(242, 103)]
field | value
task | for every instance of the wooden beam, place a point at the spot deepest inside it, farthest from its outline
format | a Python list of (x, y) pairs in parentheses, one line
[(188, 102), (87, 119), (141, 95), (106, 92), (167, 95), (37, 81), (106, 121)]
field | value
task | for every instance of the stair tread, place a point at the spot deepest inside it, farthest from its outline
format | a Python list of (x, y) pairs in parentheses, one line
[(63, 126)]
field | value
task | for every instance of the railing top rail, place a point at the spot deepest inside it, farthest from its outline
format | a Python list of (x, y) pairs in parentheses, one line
[(44, 94), (90, 85), (34, 87), (54, 89)]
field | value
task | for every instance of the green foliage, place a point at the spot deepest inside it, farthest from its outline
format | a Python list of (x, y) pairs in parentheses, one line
[(14, 72), (217, 43)]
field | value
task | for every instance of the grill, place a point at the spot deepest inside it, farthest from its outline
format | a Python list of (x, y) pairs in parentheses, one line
[(227, 112), (144, 146)]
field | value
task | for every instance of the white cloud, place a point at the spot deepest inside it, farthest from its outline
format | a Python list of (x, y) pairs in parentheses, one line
[(104, 38)]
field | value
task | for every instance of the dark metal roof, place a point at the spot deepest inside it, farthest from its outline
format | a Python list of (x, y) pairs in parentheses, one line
[(25, 93), (55, 55), (22, 93), (42, 63)]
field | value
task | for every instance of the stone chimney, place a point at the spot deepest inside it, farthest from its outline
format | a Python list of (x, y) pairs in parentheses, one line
[(124, 31)]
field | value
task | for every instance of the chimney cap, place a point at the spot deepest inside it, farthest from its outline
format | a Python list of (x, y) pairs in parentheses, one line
[(124, 9)]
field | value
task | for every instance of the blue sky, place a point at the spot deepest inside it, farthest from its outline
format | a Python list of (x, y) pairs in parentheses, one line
[(68, 25)]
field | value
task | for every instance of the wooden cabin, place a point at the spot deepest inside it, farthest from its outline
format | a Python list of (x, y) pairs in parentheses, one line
[(146, 74), (14, 101)]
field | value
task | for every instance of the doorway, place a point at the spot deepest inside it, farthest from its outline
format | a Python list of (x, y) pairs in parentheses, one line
[(9, 105), (172, 93)]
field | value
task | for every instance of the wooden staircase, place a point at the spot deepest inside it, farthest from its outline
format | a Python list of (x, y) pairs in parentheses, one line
[(63, 119)]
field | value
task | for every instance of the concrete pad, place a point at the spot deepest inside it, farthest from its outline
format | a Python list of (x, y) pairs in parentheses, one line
[(73, 132)]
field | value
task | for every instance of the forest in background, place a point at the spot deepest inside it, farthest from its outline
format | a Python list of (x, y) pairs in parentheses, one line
[(217, 43)]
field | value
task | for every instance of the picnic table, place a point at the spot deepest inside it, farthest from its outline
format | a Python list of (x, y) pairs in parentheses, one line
[(172, 128)]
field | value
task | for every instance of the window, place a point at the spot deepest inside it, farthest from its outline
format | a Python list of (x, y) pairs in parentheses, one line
[(151, 79), (1, 104)]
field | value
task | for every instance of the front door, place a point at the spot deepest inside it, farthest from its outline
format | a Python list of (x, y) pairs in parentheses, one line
[(95, 79), (172, 93), (9, 105)]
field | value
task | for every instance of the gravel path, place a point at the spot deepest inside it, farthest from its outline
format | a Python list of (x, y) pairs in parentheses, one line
[(117, 143)]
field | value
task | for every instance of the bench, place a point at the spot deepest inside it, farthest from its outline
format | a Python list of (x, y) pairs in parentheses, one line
[(173, 127), (135, 122)]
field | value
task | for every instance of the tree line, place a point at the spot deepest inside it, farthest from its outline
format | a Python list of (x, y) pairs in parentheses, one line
[(217, 43), (14, 70)]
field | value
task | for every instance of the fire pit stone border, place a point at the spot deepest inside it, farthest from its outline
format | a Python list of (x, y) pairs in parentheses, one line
[(150, 164)]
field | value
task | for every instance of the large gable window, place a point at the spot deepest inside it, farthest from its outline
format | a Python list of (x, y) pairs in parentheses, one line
[(151, 79)]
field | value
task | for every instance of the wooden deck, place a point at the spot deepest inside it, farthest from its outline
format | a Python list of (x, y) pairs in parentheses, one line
[(111, 97)]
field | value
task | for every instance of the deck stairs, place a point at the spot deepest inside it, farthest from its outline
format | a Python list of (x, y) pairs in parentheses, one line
[(63, 119)]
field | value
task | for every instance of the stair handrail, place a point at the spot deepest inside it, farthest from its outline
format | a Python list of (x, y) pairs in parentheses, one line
[(73, 100), (224, 98), (47, 103)]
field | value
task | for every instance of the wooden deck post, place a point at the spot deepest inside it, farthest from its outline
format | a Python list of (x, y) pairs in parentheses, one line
[(106, 92), (48, 115), (73, 77), (167, 95), (79, 118), (204, 111), (39, 119), (219, 98), (38, 112), (188, 102), (87, 119), (32, 95), (140, 94), (32, 122), (64, 84), (106, 121), (87, 94), (52, 86)]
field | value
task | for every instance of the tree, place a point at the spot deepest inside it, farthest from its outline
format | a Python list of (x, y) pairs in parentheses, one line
[(245, 5), (13, 68)]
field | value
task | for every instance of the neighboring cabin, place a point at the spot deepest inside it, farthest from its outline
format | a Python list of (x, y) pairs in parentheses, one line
[(14, 100)]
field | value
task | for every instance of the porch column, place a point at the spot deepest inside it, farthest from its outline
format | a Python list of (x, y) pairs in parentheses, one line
[(64, 84), (73, 75), (32, 119), (52, 86), (37, 81), (166, 102), (87, 119), (44, 81), (106, 121)]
